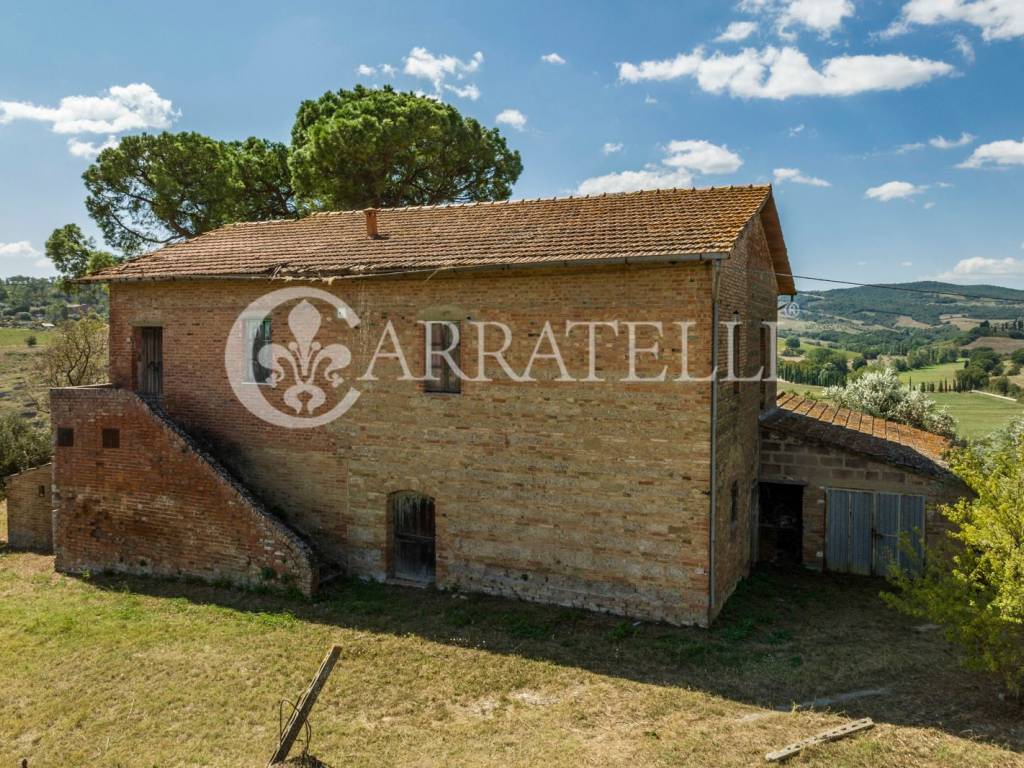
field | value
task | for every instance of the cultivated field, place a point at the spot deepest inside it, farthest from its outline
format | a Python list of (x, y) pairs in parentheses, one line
[(133, 672), (932, 374), (1000, 344)]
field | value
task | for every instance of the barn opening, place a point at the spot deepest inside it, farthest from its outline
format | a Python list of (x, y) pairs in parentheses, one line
[(413, 540), (781, 525)]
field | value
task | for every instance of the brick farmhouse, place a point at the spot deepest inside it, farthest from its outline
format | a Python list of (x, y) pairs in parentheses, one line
[(616, 487)]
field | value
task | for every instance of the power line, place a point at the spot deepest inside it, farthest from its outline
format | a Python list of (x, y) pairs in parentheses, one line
[(961, 294)]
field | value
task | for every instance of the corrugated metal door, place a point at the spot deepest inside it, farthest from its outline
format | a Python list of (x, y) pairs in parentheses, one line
[(864, 530), (912, 524)]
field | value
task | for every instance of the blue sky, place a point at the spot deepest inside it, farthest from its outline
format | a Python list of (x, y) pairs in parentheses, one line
[(912, 112)]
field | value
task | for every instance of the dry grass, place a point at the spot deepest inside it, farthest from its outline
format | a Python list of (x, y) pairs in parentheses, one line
[(140, 673)]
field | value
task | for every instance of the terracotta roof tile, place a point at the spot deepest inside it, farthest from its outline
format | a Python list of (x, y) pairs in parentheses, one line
[(636, 225), (886, 441)]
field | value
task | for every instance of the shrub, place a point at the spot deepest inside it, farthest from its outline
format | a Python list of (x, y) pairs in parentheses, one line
[(793, 342), (22, 445), (976, 591), (881, 394), (31, 341)]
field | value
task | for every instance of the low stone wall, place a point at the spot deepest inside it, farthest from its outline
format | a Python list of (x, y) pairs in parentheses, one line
[(135, 494), (30, 509)]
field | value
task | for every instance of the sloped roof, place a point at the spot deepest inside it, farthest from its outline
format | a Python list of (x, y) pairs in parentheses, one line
[(886, 441), (616, 227)]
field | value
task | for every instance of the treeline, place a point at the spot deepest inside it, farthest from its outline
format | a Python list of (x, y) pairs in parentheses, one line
[(26, 300)]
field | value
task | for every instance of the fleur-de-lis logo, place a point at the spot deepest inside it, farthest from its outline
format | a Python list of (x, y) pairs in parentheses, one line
[(306, 365), (304, 356)]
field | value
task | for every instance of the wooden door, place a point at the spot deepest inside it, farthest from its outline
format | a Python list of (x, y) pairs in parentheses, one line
[(414, 556), (149, 378)]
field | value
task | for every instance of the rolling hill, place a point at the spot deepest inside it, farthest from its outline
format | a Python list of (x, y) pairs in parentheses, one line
[(923, 303)]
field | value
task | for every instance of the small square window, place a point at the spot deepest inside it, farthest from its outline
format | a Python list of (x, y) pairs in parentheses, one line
[(65, 437), (111, 438)]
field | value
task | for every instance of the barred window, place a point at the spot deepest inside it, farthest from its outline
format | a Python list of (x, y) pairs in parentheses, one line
[(442, 376), (257, 336)]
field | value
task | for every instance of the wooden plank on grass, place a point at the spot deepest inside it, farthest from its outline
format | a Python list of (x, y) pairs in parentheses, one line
[(830, 735), (305, 705)]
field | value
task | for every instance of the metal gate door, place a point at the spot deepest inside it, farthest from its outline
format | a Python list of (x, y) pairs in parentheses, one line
[(864, 531)]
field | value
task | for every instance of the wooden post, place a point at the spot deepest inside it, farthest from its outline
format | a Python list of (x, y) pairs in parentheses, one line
[(305, 705), (830, 735)]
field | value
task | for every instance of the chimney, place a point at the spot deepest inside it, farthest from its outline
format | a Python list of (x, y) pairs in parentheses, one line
[(371, 223)]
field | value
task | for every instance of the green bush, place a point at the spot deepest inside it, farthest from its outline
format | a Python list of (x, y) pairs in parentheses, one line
[(976, 589), (22, 445)]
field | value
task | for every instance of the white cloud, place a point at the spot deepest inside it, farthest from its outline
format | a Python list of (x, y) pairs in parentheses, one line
[(702, 157), (88, 149), (894, 190), (423, 64), (822, 16), (682, 160), (906, 263), (365, 70), (737, 31), (980, 268), (19, 248), (552, 58), (929, 205), (998, 153), (964, 46), (941, 142), (124, 108), (468, 91), (611, 147), (782, 175), (513, 118), (779, 73), (648, 99), (903, 149), (388, 70), (997, 19), (796, 130)]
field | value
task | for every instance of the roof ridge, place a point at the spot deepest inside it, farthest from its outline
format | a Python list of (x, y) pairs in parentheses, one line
[(551, 199)]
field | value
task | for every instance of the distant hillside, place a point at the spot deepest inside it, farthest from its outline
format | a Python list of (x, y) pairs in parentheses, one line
[(928, 303)]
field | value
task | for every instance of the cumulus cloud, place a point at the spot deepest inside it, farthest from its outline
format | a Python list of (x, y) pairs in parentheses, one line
[(894, 190), (981, 268), (997, 153), (552, 58), (904, 149), (796, 130), (468, 91), (997, 19), (425, 65), (822, 16), (941, 142), (122, 108), (18, 248), (89, 149), (682, 160), (780, 73), (610, 148), (782, 175), (513, 118), (737, 31), (365, 70)]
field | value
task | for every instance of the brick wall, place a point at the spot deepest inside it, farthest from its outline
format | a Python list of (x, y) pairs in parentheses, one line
[(747, 292), (584, 494), (787, 458), (30, 509), (155, 504)]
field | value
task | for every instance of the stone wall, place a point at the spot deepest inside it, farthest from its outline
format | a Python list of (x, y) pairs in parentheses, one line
[(30, 509), (787, 458), (154, 503)]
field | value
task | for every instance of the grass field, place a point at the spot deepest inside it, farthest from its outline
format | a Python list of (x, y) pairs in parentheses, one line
[(932, 374), (132, 672), (16, 370), (977, 415)]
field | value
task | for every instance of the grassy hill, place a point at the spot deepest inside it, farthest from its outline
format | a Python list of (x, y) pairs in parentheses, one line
[(925, 303)]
